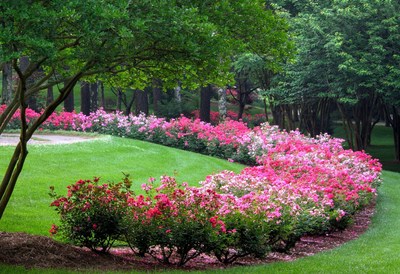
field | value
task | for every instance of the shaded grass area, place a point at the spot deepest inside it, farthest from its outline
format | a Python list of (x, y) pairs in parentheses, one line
[(382, 146), (108, 158)]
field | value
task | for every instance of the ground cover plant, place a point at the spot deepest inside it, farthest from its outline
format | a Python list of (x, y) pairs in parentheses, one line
[(298, 186)]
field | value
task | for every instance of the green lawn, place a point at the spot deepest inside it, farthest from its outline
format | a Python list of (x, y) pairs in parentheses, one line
[(108, 157)]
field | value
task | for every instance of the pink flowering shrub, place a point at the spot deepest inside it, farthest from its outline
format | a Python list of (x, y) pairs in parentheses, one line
[(91, 213), (172, 218), (15, 122)]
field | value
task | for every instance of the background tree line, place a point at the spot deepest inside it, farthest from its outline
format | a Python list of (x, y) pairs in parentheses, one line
[(346, 62)]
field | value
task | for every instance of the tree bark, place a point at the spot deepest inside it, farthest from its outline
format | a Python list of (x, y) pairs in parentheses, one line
[(50, 96), (266, 109), (315, 116), (94, 96), (31, 100), (119, 99), (222, 104), (156, 96), (205, 104), (392, 114), (358, 121), (69, 103), (102, 96), (85, 98), (142, 102)]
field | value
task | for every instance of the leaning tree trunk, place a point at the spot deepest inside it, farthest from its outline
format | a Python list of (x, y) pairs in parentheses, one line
[(20, 153)]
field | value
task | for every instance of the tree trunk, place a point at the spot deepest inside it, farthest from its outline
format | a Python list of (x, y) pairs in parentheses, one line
[(7, 84), (85, 98), (205, 104), (142, 102), (156, 96), (102, 96), (242, 105), (69, 103), (242, 90), (222, 109), (278, 115), (119, 99), (50, 96), (290, 121), (358, 120), (392, 115), (31, 100), (315, 116), (177, 94), (178, 98), (94, 97), (266, 108)]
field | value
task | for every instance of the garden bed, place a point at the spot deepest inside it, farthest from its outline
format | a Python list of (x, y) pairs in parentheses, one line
[(32, 251)]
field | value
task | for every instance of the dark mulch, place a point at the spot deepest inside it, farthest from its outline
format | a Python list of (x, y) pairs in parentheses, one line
[(33, 251)]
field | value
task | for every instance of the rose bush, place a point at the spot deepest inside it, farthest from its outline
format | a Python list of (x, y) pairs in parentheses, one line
[(91, 213)]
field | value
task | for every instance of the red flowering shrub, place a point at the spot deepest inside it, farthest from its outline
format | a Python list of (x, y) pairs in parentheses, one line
[(91, 213)]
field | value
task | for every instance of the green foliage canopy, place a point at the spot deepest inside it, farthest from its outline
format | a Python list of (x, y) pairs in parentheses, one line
[(190, 41)]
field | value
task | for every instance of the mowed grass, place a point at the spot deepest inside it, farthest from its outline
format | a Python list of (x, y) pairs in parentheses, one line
[(108, 158)]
